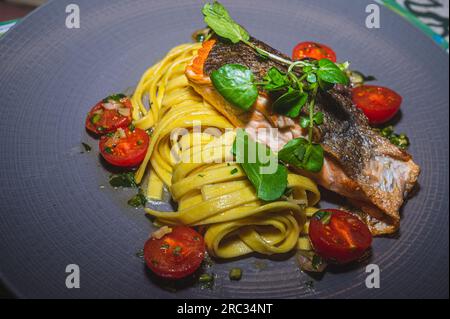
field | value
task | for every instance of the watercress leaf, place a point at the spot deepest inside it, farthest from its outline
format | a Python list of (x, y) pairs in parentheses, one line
[(276, 80), (269, 186), (290, 103), (304, 122), (276, 76), (219, 20), (293, 152), (311, 78), (301, 154), (313, 159), (235, 83), (318, 118), (324, 85), (329, 72)]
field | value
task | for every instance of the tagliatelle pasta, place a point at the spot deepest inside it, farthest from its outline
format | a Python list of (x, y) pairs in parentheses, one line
[(211, 190)]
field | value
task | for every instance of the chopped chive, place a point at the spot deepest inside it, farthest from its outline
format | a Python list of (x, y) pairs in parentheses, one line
[(317, 261), (177, 250), (235, 274), (206, 278), (114, 97), (234, 171), (108, 150), (138, 200), (95, 118), (87, 147)]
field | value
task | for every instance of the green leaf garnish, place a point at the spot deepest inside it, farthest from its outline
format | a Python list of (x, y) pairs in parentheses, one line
[(138, 200), (290, 103), (276, 80), (303, 155), (269, 187), (329, 72), (219, 20), (123, 180), (235, 83)]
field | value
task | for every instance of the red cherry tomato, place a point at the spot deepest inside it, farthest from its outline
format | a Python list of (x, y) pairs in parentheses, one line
[(339, 236), (176, 255), (314, 51), (109, 114), (125, 148), (378, 103)]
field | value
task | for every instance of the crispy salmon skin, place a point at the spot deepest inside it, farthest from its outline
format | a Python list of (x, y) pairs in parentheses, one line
[(366, 168)]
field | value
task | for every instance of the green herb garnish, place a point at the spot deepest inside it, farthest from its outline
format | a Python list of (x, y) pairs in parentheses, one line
[(302, 154), (108, 150), (177, 251), (235, 83), (219, 20), (138, 200), (269, 186), (206, 280), (400, 140), (317, 261), (235, 274), (234, 171), (290, 103), (357, 78), (96, 118), (114, 97), (87, 147), (309, 284), (123, 180), (323, 216), (140, 253)]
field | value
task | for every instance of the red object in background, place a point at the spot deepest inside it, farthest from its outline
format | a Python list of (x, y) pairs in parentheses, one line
[(9, 11)]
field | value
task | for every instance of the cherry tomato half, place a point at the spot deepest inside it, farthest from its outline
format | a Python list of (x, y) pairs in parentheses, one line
[(125, 148), (109, 114), (339, 236), (378, 103), (176, 255), (314, 51)]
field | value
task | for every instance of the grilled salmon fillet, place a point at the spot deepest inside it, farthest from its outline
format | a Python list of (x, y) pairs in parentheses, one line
[(366, 168)]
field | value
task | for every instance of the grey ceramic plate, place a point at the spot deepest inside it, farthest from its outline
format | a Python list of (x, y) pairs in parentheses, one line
[(54, 213)]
